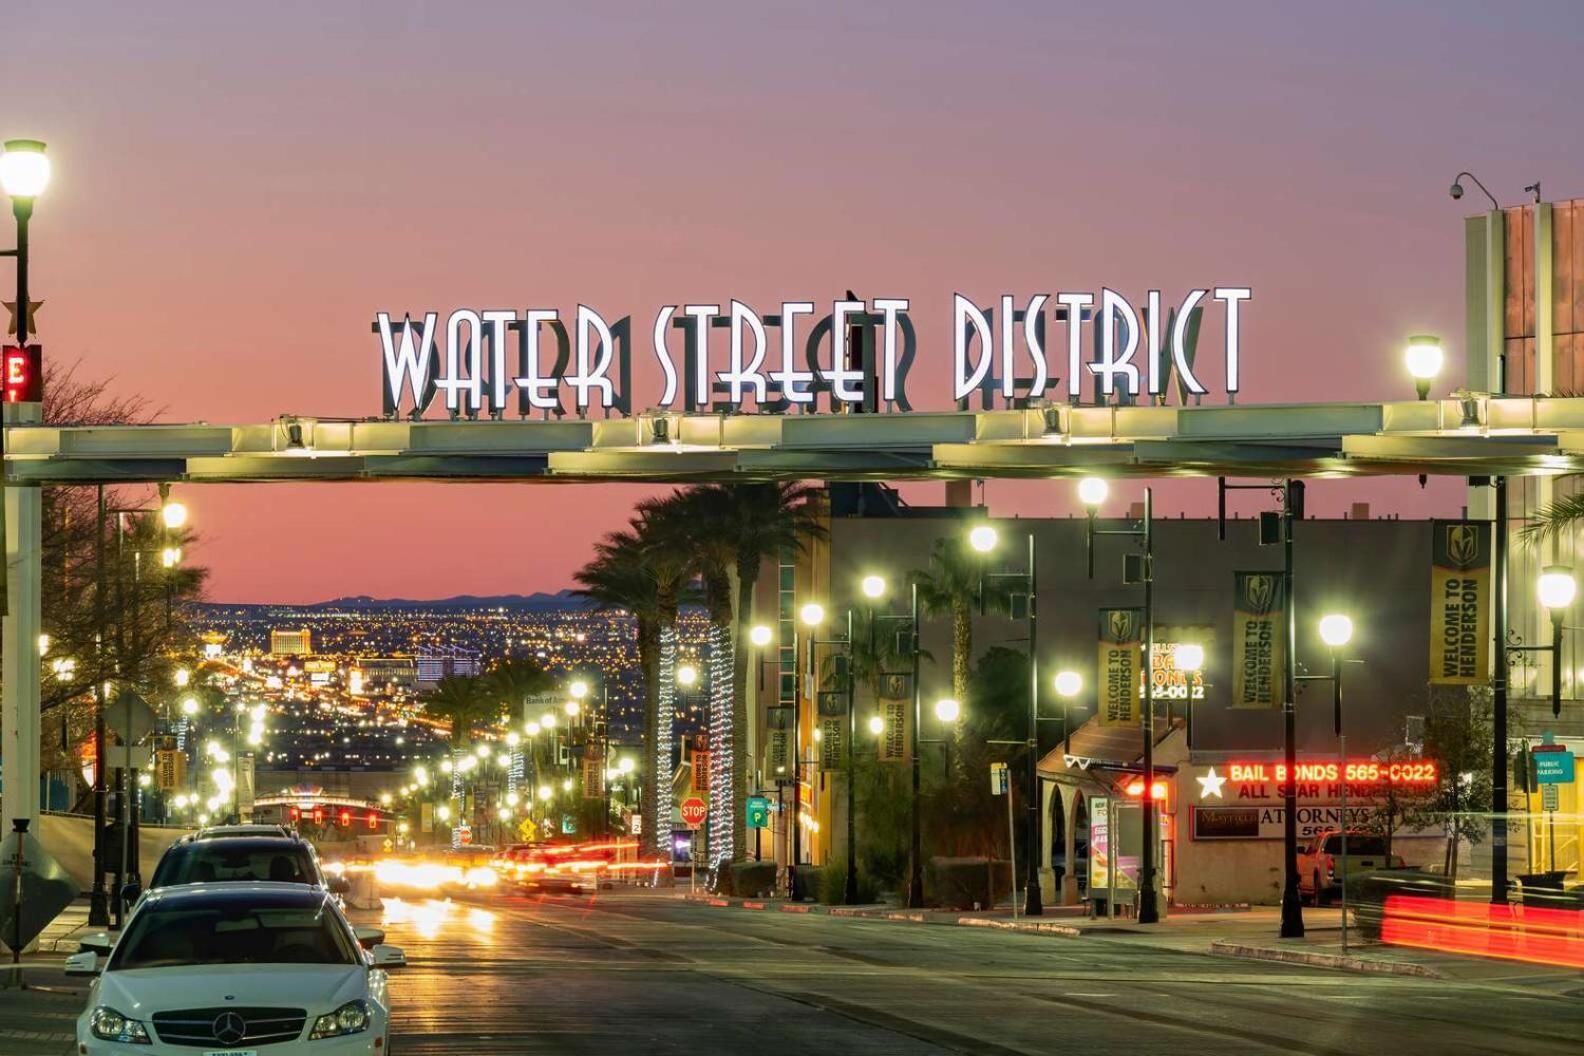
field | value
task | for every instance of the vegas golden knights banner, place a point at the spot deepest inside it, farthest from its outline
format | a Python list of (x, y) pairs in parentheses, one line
[(1259, 636), (832, 729), (1121, 666), (778, 746), (1460, 602), (894, 738)]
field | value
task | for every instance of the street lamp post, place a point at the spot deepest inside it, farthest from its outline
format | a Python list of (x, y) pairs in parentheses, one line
[(1092, 492), (1336, 630), (983, 540), (812, 614), (1556, 589)]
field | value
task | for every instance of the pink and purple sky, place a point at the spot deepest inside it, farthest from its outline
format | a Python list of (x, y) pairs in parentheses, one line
[(238, 188)]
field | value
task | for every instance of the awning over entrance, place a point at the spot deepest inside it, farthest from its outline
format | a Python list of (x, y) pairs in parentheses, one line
[(1105, 753), (1473, 436)]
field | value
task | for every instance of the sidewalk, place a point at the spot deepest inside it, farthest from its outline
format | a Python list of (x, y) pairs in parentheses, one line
[(1243, 932)]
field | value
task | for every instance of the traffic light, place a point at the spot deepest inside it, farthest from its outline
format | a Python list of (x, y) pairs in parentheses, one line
[(318, 815), (346, 818), (373, 820)]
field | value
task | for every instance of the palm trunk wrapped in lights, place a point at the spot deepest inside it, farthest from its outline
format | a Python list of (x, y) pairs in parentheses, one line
[(665, 733), (722, 810)]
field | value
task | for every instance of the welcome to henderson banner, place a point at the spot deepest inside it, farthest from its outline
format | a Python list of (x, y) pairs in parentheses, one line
[(1259, 607), (1121, 659), (1460, 602)]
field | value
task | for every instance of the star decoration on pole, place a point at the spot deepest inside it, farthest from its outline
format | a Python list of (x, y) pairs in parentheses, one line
[(1210, 784), (32, 316)]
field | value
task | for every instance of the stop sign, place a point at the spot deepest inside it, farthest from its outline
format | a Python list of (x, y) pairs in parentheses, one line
[(694, 811)]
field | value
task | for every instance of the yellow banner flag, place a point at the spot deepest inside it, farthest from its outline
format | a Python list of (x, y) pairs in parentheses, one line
[(1259, 634), (1120, 664), (1460, 602)]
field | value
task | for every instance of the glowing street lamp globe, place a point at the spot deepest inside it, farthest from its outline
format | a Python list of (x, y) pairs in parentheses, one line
[(1423, 360), (1068, 683), (1336, 630), (1092, 491), (759, 635), (545, 793), (982, 538), (626, 764), (1188, 656), (24, 168), (812, 614), (572, 708), (189, 706), (687, 675), (547, 720), (174, 514), (1557, 587), (579, 689), (876, 725), (532, 729), (873, 586), (947, 709)]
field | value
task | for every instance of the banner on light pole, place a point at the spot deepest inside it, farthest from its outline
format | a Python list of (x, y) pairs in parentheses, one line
[(1121, 656), (1460, 602), (1259, 608)]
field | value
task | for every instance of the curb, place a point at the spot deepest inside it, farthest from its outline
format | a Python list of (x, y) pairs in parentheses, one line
[(1042, 928), (1221, 948)]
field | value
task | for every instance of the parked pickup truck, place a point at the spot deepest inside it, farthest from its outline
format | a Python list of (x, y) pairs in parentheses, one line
[(1321, 864)]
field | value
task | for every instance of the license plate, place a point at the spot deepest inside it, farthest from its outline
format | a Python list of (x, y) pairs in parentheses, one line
[(231, 1052)]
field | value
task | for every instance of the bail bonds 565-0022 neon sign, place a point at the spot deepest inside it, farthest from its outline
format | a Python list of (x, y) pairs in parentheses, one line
[(497, 361)]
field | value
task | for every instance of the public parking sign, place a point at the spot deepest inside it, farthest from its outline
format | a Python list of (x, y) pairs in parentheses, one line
[(694, 810), (758, 810), (1553, 764)]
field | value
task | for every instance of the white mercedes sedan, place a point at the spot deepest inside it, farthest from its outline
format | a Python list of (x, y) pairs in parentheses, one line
[(237, 969)]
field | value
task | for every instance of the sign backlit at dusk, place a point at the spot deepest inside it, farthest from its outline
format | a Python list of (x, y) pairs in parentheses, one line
[(856, 355)]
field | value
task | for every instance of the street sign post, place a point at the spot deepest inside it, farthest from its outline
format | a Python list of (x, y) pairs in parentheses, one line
[(34, 888), (694, 810), (1001, 785)]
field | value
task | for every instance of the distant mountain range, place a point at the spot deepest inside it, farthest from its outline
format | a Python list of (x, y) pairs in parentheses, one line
[(538, 602)]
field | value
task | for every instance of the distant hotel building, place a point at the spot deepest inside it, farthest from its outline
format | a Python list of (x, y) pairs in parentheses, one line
[(432, 667), (291, 643), (379, 673)]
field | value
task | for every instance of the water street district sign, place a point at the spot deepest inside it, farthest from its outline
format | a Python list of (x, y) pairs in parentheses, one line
[(758, 811), (46, 889)]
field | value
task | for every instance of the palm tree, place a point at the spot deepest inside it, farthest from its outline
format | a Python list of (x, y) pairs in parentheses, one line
[(637, 572), (952, 586), (1555, 519), (516, 679), (464, 701), (729, 530)]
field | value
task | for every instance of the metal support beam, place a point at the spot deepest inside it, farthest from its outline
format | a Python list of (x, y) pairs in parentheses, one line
[(19, 642)]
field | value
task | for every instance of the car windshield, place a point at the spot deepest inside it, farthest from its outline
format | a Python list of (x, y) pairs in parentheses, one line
[(1356, 845), (204, 861), (240, 931)]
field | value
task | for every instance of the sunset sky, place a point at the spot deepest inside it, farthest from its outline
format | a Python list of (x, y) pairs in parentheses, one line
[(240, 187)]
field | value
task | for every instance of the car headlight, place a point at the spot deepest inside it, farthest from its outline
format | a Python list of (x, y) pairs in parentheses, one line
[(350, 1018), (111, 1025)]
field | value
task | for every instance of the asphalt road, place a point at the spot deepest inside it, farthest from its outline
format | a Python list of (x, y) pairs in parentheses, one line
[(622, 973)]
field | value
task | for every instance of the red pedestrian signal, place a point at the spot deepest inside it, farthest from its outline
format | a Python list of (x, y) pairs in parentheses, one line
[(373, 820), (318, 815), (346, 818)]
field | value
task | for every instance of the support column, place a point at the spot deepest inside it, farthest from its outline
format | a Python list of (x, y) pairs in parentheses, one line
[(21, 661)]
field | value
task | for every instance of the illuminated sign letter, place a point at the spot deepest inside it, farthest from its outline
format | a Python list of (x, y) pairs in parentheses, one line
[(841, 375), (792, 382), (701, 314), (964, 314), (1075, 303), (1031, 338), (1112, 305), (1232, 295), (889, 306), (742, 374), (592, 376), (406, 366), (497, 321), (456, 381), (663, 354), (540, 389), (1179, 342)]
